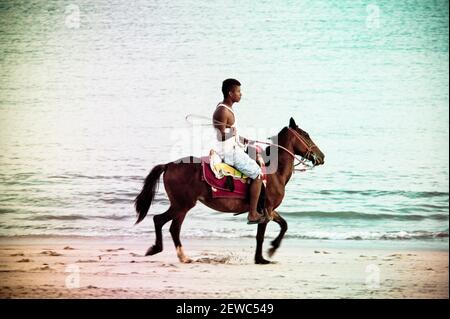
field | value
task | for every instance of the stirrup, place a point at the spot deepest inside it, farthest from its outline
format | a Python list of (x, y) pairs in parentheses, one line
[(260, 220)]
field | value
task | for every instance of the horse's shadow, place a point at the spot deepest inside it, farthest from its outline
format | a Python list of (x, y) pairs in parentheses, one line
[(227, 258), (224, 259), (213, 260)]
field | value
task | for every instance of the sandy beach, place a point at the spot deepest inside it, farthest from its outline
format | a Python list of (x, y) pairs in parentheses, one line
[(34, 267)]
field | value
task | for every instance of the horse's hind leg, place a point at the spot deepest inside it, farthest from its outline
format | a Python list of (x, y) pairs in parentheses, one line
[(259, 259), (175, 229), (283, 225), (159, 221)]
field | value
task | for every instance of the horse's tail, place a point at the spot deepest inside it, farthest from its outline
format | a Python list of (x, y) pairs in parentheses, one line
[(147, 194)]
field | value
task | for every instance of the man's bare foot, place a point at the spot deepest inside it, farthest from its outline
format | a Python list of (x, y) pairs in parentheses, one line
[(268, 214), (255, 219)]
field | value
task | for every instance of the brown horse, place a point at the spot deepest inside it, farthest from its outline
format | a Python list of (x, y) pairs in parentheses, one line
[(184, 187)]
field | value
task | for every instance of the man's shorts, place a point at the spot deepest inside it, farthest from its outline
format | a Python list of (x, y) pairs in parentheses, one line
[(241, 161)]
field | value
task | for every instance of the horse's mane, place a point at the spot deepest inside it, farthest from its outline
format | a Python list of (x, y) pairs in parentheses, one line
[(283, 131), (280, 133), (270, 147)]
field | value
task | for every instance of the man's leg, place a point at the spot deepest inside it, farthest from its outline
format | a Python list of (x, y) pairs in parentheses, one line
[(240, 160), (249, 167), (255, 190)]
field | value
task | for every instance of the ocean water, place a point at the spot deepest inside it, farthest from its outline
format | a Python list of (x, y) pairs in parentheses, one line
[(93, 94)]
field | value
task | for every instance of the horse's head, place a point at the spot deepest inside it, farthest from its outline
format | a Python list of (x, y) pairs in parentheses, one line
[(303, 145)]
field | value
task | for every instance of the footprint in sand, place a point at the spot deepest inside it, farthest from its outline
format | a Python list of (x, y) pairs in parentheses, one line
[(114, 250), (168, 265), (43, 268), (24, 260), (17, 255), (87, 261), (68, 248), (50, 253)]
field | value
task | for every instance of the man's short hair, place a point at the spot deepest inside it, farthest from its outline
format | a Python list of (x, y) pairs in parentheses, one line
[(228, 85)]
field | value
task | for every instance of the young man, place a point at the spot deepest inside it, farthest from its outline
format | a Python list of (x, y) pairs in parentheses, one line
[(231, 148)]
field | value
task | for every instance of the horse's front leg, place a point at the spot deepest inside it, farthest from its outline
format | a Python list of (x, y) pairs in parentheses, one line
[(283, 225), (259, 259)]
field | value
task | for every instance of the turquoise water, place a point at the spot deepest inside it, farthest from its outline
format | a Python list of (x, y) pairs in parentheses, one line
[(94, 94)]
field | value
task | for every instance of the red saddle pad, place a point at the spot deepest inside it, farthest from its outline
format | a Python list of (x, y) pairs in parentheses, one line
[(218, 186)]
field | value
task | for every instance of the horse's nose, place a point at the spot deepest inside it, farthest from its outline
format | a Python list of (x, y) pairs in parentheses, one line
[(322, 159), (319, 161)]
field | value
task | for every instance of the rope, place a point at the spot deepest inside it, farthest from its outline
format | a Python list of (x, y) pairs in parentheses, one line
[(301, 161)]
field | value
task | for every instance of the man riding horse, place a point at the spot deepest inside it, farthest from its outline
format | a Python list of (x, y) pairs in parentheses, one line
[(231, 146), (185, 184)]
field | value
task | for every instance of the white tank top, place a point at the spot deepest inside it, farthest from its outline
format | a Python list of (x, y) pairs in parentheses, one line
[(229, 144)]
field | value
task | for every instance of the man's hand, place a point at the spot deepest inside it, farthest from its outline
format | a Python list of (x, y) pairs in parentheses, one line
[(244, 140)]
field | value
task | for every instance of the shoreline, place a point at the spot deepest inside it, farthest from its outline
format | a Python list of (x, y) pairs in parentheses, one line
[(388, 244), (80, 267)]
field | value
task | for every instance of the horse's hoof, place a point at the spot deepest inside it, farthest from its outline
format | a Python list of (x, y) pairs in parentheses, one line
[(271, 252), (262, 261), (187, 260), (153, 250), (182, 257)]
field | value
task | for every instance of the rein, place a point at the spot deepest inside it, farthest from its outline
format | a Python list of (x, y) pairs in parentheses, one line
[(302, 160)]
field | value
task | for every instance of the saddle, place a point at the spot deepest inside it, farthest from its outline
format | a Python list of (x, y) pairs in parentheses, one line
[(227, 186), (226, 181)]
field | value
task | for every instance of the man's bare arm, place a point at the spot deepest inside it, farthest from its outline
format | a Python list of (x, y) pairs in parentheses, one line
[(221, 121)]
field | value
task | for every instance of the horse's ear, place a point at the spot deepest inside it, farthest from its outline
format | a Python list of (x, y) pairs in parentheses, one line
[(292, 123)]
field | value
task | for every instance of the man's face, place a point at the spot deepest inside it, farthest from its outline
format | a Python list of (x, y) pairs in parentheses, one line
[(235, 93)]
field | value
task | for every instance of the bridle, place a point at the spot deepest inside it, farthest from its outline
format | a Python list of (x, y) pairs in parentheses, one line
[(301, 161), (309, 147)]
